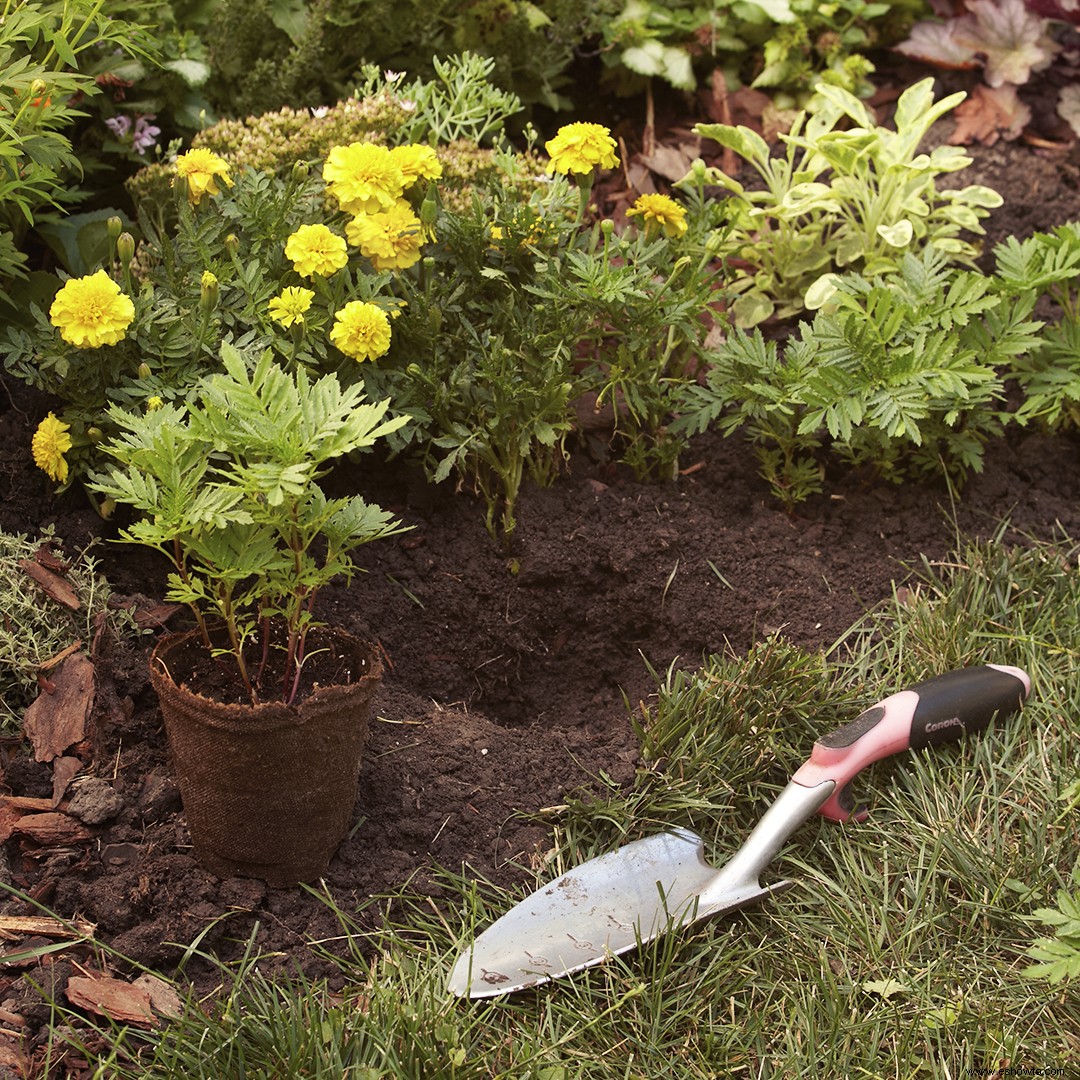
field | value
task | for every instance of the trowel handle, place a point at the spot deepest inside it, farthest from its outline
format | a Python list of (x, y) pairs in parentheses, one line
[(939, 710)]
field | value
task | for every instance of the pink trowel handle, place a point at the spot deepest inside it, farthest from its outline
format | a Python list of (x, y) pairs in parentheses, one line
[(939, 710)]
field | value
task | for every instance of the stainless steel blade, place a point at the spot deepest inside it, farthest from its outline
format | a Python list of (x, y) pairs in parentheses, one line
[(626, 898)]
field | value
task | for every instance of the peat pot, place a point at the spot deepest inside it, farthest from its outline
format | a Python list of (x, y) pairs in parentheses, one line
[(268, 789)]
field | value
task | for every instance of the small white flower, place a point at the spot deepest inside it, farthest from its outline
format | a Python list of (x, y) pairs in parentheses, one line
[(394, 76), (320, 112)]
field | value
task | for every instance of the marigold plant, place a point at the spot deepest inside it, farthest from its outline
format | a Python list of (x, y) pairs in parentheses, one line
[(364, 178), (290, 306), (660, 212), (315, 250)]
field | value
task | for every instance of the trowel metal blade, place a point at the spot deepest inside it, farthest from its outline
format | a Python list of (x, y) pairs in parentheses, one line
[(604, 907)]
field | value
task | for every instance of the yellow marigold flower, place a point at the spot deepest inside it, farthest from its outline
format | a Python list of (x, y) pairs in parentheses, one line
[(91, 311), (49, 444), (361, 330), (289, 307), (580, 148), (202, 169), (390, 240), (314, 249), (363, 177), (417, 162), (662, 211), (154, 403)]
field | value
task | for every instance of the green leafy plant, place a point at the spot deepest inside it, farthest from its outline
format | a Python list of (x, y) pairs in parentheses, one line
[(785, 45), (857, 198), (51, 53), (1059, 956), (1049, 374), (227, 490), (900, 372), (523, 307)]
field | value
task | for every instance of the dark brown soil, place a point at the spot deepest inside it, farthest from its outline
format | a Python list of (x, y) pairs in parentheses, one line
[(504, 681)]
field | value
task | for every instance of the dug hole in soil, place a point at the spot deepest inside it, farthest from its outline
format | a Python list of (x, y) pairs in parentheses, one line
[(503, 691)]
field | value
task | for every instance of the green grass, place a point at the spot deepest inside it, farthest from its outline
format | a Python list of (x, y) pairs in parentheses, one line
[(899, 954)]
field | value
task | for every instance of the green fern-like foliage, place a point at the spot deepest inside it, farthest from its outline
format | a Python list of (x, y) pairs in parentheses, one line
[(1050, 374), (902, 373), (1059, 956)]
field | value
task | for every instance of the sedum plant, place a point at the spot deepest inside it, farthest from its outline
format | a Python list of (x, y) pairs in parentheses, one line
[(227, 489), (856, 198), (902, 373)]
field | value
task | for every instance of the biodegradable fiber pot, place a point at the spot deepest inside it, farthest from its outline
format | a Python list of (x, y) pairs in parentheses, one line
[(268, 789)]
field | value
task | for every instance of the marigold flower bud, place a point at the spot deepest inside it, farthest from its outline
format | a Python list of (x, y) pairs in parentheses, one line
[(95, 434), (125, 248), (232, 244), (115, 227), (429, 211), (38, 87), (144, 370), (208, 296), (607, 227), (300, 171)]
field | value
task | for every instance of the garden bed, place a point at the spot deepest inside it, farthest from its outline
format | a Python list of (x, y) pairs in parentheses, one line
[(506, 674)]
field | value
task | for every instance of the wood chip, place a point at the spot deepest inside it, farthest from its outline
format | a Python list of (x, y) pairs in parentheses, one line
[(9, 818), (111, 997), (16, 926), (165, 1000), (53, 584), (12, 1057), (26, 802), (52, 829), (65, 769), (54, 721)]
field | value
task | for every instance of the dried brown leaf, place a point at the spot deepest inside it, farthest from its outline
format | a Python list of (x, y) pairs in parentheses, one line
[(990, 114)]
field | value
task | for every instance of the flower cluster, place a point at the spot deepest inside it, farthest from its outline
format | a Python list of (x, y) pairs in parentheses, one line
[(371, 182), (142, 134)]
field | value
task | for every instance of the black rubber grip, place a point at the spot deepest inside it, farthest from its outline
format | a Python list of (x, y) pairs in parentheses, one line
[(962, 703)]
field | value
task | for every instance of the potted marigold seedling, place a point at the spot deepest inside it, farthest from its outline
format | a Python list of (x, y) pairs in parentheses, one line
[(265, 708)]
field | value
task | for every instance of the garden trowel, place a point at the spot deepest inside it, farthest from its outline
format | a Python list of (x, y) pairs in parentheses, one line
[(632, 895)]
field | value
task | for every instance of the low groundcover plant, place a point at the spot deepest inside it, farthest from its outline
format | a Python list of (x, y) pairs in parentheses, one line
[(227, 489)]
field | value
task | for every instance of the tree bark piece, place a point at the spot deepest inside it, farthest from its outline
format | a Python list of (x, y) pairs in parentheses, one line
[(54, 721)]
